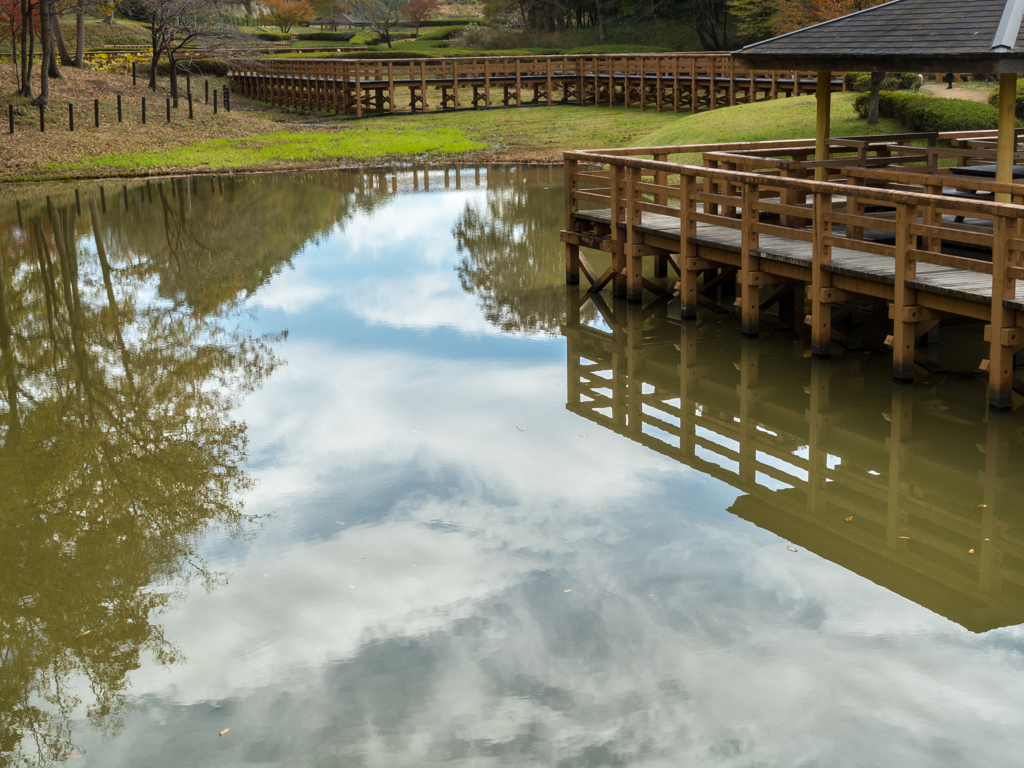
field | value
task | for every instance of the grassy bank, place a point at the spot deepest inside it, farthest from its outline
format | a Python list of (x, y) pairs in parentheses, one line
[(254, 137)]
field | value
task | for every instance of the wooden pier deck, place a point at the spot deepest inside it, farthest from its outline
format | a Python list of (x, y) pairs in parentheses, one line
[(809, 444), (929, 244), (677, 82)]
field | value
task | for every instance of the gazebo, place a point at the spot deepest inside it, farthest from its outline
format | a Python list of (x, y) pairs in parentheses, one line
[(979, 36)]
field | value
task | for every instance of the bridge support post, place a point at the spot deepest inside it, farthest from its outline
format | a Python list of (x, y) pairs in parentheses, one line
[(750, 265), (904, 337), (821, 281), (1002, 335), (634, 258), (572, 250), (687, 250)]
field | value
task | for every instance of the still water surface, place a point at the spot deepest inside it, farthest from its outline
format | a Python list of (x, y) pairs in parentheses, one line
[(334, 465)]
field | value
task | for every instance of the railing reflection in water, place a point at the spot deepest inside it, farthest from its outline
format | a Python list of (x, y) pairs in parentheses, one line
[(916, 489)]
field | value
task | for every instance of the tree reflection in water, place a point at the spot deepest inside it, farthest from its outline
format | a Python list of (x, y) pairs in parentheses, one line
[(120, 370), (509, 260)]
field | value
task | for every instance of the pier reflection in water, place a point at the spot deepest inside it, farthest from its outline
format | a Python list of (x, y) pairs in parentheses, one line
[(917, 489), (383, 539)]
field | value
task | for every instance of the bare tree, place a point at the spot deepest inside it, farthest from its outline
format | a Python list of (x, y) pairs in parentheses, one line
[(382, 16), (194, 25)]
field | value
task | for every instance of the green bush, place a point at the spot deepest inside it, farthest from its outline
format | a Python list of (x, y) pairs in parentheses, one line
[(400, 54), (334, 37), (993, 99), (893, 81), (928, 113), (275, 37), (195, 67)]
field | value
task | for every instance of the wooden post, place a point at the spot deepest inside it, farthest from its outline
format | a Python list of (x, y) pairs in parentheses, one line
[(487, 82), (824, 115), (750, 265), (1002, 334), (519, 82), (903, 324), (548, 65), (821, 281), (634, 261), (618, 234), (572, 251), (1007, 141), (391, 87), (693, 85), (687, 250)]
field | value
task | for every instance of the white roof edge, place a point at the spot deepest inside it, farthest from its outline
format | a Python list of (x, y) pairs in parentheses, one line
[(1009, 26)]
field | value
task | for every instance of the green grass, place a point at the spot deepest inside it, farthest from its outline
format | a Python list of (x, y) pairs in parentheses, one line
[(357, 144), (765, 121)]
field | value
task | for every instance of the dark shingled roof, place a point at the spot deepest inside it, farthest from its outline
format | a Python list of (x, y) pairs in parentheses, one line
[(903, 35)]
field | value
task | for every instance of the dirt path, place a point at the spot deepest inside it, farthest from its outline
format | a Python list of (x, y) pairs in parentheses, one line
[(958, 92)]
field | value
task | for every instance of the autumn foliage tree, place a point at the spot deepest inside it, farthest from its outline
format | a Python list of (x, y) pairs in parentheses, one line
[(420, 10), (795, 14), (285, 14)]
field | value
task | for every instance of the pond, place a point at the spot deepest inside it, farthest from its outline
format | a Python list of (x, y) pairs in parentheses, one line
[(332, 469)]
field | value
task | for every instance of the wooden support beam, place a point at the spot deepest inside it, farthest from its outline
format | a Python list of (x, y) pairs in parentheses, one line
[(821, 254), (688, 251), (823, 96), (904, 339), (1007, 141), (750, 303)]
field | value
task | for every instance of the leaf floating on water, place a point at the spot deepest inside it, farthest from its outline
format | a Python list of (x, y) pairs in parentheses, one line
[(791, 549), (651, 595), (970, 551), (223, 732), (904, 537), (602, 507), (86, 632), (351, 587), (566, 590), (982, 506), (340, 523), (849, 519), (70, 756), (264, 575), (414, 565)]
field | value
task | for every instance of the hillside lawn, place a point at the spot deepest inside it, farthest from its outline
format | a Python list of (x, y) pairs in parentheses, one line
[(255, 137)]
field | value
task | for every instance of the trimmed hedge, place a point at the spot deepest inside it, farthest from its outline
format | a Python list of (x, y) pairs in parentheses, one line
[(928, 113), (893, 81), (339, 37), (207, 67), (274, 37), (993, 99)]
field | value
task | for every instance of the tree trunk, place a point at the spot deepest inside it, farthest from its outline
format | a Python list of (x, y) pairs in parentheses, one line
[(51, 58), (600, 21), (174, 75), (46, 38), (875, 88), (157, 50), (62, 48), (80, 36), (27, 51)]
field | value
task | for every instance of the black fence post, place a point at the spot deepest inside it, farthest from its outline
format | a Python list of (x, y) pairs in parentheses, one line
[(42, 119), (188, 84), (190, 113), (96, 111), (227, 98), (10, 116), (71, 116), (143, 110), (119, 107), (168, 110), (135, 77), (215, 101), (207, 91)]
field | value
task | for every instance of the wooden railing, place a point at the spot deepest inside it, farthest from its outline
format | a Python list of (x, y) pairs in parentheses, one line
[(806, 222), (678, 81)]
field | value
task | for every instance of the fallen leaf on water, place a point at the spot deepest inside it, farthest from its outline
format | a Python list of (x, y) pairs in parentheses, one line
[(224, 731), (66, 756), (566, 590), (849, 519), (83, 633), (360, 615), (982, 506), (351, 587), (791, 549), (364, 558), (602, 507), (340, 523), (904, 537), (970, 551), (651, 595), (264, 575)]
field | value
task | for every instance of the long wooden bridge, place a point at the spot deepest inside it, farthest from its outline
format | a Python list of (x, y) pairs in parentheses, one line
[(892, 225), (916, 489), (681, 82)]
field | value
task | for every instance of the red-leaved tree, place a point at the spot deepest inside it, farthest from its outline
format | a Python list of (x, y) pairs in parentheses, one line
[(285, 14), (420, 10)]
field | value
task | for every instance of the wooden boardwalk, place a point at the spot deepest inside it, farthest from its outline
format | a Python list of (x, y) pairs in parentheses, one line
[(809, 444), (933, 251), (677, 82)]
